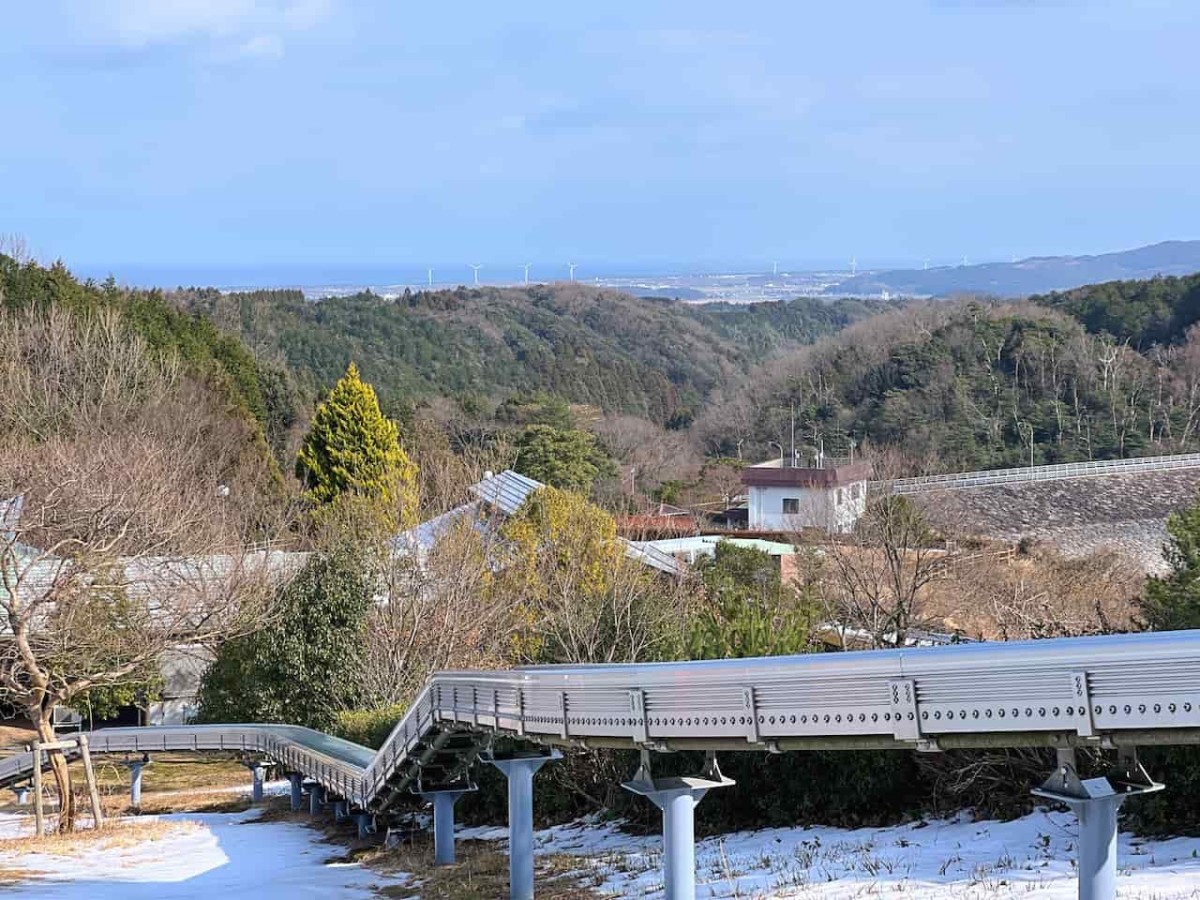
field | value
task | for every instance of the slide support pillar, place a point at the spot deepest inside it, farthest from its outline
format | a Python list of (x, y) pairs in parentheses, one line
[(443, 822), (135, 780), (1095, 802), (363, 820), (678, 798), (519, 770), (257, 771), (297, 781)]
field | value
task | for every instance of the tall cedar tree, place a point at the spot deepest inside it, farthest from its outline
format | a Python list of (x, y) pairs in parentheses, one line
[(353, 449)]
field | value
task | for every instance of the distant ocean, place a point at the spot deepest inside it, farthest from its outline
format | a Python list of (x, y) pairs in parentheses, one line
[(305, 275)]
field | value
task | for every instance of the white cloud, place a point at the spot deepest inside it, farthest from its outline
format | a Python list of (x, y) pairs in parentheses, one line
[(243, 27), (264, 46)]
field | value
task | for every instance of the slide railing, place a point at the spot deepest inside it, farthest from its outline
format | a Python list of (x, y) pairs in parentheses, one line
[(1132, 689), (1113, 692)]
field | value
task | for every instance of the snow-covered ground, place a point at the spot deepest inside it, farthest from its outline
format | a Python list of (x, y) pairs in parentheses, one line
[(224, 855), (957, 858), (230, 855)]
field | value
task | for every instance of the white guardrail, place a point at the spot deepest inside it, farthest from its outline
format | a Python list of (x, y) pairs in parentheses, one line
[(1037, 473), (1142, 688)]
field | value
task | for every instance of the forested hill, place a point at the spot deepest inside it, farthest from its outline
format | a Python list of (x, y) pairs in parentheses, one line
[(1035, 275), (256, 388), (966, 385), (1156, 311), (656, 359)]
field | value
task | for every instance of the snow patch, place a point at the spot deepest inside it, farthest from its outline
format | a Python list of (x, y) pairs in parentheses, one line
[(230, 855), (955, 858)]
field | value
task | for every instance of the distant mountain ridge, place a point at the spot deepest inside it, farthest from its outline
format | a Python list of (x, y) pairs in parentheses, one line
[(1036, 275)]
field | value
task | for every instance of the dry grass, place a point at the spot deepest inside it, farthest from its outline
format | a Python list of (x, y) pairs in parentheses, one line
[(15, 734), (16, 875), (211, 801), (481, 873), (120, 833), (169, 772), (173, 782)]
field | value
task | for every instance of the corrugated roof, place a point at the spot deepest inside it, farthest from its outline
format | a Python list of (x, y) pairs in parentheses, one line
[(506, 491), (705, 543), (421, 539), (654, 558), (10, 514), (509, 490)]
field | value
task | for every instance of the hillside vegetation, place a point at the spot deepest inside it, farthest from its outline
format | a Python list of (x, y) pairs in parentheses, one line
[(255, 387), (1157, 311), (969, 385), (655, 359)]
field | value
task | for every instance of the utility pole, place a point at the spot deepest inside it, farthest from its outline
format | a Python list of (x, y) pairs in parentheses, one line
[(793, 432)]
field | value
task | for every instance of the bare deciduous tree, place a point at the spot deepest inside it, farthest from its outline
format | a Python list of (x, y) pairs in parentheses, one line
[(126, 539), (440, 610), (877, 575)]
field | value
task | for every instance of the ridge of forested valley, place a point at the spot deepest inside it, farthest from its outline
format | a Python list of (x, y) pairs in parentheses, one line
[(1105, 371)]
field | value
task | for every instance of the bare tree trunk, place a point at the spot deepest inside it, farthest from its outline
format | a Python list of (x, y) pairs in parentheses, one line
[(41, 716)]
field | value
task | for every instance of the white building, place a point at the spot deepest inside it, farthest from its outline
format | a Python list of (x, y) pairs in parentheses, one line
[(829, 495)]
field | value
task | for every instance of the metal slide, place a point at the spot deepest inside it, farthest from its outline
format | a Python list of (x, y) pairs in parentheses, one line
[(1113, 692)]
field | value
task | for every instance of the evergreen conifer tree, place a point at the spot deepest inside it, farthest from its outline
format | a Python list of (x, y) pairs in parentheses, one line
[(1172, 602), (352, 449)]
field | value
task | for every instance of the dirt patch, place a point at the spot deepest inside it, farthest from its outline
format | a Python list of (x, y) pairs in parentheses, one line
[(480, 873), (170, 772), (279, 809), (178, 802)]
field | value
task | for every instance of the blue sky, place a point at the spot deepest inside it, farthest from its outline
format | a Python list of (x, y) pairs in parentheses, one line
[(330, 132)]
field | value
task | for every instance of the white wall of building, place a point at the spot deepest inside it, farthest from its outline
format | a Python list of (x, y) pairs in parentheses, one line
[(834, 509)]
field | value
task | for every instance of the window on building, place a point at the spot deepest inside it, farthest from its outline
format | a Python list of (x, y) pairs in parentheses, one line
[(791, 506), (839, 497)]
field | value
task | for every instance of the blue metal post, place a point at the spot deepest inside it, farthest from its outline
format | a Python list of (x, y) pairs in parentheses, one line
[(297, 781), (256, 781), (520, 771), (341, 810), (677, 798), (1095, 802), (1097, 847), (316, 796), (443, 824), (135, 782), (678, 807), (364, 824)]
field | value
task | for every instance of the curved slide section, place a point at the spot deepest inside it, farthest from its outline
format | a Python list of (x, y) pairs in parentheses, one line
[(1111, 692)]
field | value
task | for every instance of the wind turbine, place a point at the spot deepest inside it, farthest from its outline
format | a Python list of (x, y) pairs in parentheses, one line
[(853, 266), (475, 269), (774, 268), (571, 266), (526, 268)]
